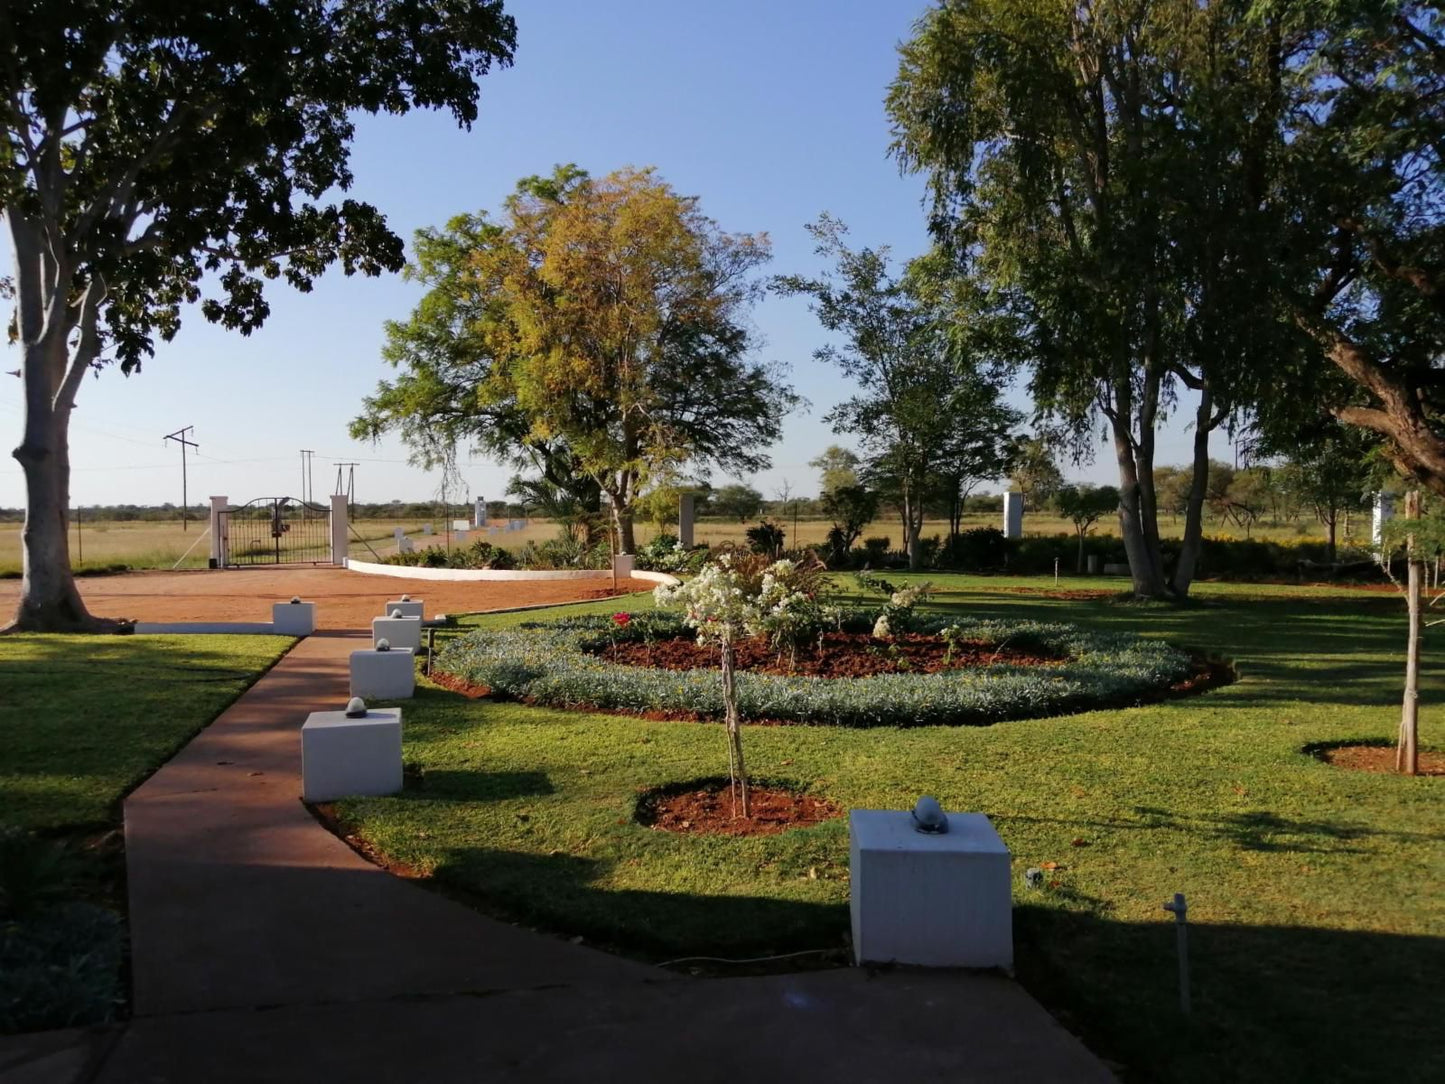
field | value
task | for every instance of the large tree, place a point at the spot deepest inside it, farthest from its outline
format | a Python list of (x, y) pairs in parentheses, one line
[(1101, 166), (922, 400), (157, 155), (606, 317)]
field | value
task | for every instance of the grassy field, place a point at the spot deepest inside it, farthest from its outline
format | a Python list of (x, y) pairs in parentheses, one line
[(1317, 916), (99, 546), (83, 719)]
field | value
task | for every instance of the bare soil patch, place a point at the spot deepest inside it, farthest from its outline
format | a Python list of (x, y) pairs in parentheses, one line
[(705, 807), (1378, 758), (844, 654), (344, 600)]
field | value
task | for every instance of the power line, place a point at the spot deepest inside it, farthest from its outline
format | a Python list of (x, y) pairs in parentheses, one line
[(179, 436)]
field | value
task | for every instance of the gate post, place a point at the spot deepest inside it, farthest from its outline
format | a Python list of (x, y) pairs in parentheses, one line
[(338, 529), (220, 532)]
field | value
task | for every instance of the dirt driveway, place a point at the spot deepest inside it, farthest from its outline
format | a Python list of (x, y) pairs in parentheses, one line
[(344, 600)]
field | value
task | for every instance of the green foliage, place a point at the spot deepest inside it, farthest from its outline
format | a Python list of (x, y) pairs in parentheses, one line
[(620, 377), (739, 502), (558, 665), (837, 468), (666, 553), (60, 968), (926, 409), (81, 723), (766, 538), (34, 872)]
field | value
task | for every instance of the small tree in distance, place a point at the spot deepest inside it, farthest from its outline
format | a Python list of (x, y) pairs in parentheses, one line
[(1085, 505), (739, 502)]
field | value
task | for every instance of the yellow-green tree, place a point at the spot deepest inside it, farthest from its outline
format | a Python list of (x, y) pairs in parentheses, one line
[(611, 320)]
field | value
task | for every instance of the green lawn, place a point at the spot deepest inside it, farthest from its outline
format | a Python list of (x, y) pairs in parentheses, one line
[(83, 719), (1317, 896)]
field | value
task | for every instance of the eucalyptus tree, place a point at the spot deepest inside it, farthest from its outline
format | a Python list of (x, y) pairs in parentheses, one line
[(157, 155), (607, 322), (1101, 165)]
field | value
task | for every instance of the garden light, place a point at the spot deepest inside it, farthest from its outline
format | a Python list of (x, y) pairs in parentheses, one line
[(928, 816), (356, 708)]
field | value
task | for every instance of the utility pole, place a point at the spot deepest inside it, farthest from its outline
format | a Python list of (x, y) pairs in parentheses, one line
[(350, 488), (308, 491), (180, 437)]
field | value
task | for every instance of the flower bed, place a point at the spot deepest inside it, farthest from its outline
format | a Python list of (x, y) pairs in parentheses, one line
[(559, 663)]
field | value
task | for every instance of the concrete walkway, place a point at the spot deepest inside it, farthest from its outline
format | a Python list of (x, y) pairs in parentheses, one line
[(263, 948)]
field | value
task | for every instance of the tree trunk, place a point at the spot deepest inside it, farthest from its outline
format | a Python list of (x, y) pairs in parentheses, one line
[(49, 601), (1330, 537), (1080, 568), (737, 769), (1407, 754), (1194, 507), (1143, 565)]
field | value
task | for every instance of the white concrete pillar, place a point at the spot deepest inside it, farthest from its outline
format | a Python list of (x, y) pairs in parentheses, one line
[(479, 515), (220, 532), (1384, 511), (1013, 515), (339, 530), (686, 509)]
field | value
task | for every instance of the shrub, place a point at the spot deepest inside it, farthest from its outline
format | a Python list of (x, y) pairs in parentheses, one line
[(60, 968), (766, 538), (875, 550), (556, 663), (976, 549), (666, 554), (34, 872)]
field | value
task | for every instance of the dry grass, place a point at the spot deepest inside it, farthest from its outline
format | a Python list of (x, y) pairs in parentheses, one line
[(142, 545)]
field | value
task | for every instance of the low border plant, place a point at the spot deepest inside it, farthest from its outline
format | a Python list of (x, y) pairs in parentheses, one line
[(557, 663)]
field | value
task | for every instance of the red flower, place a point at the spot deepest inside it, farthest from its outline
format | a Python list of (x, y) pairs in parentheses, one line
[(621, 620)]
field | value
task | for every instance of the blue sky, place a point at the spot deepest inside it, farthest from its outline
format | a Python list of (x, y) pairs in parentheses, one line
[(769, 112)]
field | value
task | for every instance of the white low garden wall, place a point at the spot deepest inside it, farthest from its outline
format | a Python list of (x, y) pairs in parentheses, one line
[(414, 572)]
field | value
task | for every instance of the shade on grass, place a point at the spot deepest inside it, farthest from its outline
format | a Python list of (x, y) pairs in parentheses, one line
[(1317, 896), (83, 719)]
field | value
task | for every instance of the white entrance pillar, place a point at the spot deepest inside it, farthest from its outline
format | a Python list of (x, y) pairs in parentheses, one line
[(479, 515), (338, 529), (220, 532), (1384, 511), (1013, 515)]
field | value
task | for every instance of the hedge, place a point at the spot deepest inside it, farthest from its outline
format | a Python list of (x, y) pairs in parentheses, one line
[(556, 663)]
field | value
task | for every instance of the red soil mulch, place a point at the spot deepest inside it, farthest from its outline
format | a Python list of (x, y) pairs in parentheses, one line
[(844, 654), (1379, 758), (456, 684), (707, 809)]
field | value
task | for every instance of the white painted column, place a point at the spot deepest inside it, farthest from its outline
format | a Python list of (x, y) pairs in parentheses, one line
[(339, 530), (1013, 515), (1384, 511), (686, 513), (479, 515), (220, 532)]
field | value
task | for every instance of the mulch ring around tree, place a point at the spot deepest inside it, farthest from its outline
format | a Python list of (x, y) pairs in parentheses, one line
[(844, 654), (1367, 757), (705, 807)]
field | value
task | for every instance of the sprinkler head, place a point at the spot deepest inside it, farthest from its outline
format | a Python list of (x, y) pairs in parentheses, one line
[(356, 708), (383, 644)]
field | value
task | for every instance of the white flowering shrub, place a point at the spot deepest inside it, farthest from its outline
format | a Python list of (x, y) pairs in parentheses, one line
[(557, 663)]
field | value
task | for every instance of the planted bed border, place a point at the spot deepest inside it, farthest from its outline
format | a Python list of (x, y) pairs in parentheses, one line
[(556, 664)]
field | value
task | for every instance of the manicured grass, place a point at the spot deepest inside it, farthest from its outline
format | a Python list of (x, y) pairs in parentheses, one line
[(83, 719), (1317, 915)]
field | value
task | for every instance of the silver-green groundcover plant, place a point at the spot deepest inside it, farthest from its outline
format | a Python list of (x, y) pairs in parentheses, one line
[(558, 663)]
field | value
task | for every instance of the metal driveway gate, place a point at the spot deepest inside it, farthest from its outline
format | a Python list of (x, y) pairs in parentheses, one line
[(278, 531)]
